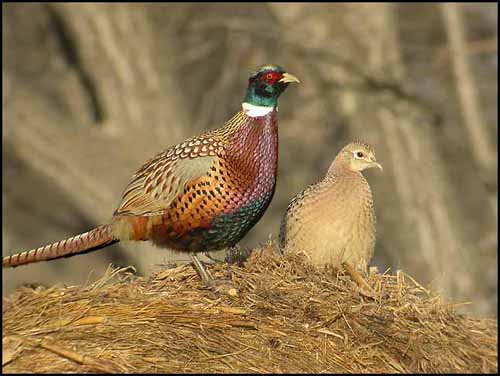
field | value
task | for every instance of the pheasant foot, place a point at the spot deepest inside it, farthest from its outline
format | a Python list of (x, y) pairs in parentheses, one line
[(220, 286), (365, 288)]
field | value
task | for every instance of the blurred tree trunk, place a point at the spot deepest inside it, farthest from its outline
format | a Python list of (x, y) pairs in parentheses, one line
[(98, 108), (469, 97)]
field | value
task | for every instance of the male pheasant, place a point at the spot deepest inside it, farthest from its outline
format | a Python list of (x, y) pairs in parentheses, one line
[(200, 195), (333, 221)]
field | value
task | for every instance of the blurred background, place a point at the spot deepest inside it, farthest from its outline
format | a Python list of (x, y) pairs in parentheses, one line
[(90, 91)]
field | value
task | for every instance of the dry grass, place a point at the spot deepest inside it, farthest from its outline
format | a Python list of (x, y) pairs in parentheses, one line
[(288, 316)]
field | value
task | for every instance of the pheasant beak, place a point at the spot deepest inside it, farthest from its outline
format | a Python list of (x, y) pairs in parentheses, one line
[(377, 165), (287, 77)]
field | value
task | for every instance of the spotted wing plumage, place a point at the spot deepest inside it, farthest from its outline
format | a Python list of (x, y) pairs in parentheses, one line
[(162, 178)]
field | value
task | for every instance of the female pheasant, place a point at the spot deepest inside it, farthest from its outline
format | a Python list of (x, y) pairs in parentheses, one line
[(200, 195), (333, 221)]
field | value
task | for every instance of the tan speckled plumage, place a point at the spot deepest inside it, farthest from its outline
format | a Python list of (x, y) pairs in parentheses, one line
[(333, 221)]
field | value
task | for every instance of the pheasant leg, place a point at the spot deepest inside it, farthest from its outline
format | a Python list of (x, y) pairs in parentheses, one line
[(365, 288), (219, 286), (205, 275)]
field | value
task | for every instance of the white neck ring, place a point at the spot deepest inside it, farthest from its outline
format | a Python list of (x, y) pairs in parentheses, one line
[(256, 111)]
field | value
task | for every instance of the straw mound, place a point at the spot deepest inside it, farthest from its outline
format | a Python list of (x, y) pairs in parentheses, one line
[(288, 316)]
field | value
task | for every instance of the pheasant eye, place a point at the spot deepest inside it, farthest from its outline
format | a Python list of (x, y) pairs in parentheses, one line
[(360, 154), (269, 76)]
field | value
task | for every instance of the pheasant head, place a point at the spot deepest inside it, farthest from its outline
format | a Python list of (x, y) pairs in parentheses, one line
[(266, 85), (356, 156)]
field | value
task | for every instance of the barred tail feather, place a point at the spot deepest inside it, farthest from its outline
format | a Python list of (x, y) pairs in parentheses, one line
[(92, 240)]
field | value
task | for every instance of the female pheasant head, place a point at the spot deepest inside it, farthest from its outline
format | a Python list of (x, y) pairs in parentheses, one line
[(356, 156), (266, 85)]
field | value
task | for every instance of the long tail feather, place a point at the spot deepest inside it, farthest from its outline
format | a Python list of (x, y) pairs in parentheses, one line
[(92, 240)]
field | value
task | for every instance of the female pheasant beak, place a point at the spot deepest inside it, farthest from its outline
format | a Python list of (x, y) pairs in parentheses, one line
[(287, 78), (377, 165)]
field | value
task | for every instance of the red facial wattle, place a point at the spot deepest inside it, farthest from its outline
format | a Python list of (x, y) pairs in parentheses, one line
[(271, 77)]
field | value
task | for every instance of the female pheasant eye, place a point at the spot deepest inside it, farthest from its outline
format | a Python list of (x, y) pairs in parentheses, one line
[(360, 154)]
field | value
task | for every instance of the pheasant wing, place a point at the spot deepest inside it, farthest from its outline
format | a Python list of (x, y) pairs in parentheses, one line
[(162, 178)]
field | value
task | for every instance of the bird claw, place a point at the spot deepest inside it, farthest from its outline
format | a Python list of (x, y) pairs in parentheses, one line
[(223, 286), (369, 293), (218, 286), (364, 288)]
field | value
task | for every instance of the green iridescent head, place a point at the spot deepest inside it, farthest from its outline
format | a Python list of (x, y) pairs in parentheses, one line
[(267, 84)]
